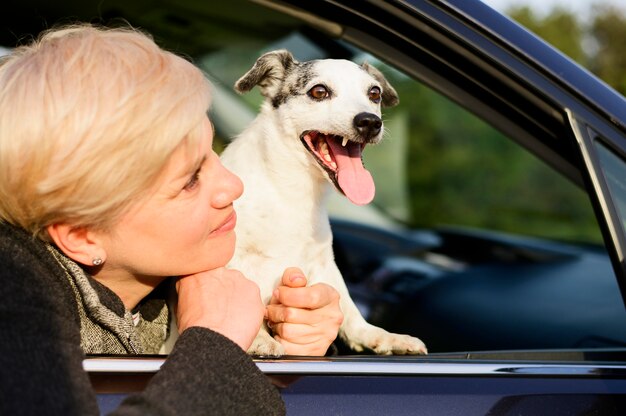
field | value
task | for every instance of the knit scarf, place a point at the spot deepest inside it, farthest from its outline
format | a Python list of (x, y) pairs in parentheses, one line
[(105, 331)]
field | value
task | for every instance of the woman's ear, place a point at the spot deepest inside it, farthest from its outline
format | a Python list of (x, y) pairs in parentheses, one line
[(77, 243)]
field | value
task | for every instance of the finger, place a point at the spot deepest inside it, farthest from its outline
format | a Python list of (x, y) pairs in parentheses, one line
[(293, 277), (313, 349), (299, 334), (310, 297), (275, 295), (281, 313)]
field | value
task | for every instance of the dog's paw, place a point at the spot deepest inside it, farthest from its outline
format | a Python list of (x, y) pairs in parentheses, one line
[(399, 344), (266, 346), (386, 343)]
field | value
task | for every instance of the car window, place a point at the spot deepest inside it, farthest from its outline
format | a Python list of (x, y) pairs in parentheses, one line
[(438, 165), (472, 243), (464, 219)]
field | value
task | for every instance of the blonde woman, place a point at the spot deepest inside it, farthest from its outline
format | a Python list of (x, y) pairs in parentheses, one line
[(109, 186)]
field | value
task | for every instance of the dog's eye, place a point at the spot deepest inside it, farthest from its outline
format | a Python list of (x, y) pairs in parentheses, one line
[(319, 92), (374, 94)]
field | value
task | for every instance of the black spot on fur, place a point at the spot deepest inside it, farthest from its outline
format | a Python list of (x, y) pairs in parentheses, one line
[(279, 99), (287, 61), (268, 72), (299, 76), (260, 71)]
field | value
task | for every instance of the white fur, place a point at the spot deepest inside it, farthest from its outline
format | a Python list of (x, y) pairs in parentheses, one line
[(282, 218)]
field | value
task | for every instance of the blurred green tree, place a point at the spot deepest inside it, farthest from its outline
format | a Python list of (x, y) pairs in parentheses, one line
[(462, 171), (561, 28), (596, 42), (609, 57)]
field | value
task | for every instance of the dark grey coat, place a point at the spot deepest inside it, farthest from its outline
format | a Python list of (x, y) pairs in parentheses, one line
[(41, 357)]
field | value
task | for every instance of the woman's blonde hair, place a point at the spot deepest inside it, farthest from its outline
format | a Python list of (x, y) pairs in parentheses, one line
[(88, 119)]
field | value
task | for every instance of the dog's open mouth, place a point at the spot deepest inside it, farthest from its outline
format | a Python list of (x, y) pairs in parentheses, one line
[(341, 159)]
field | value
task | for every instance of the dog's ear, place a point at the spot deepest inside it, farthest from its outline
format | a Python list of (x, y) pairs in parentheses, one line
[(390, 96), (268, 73)]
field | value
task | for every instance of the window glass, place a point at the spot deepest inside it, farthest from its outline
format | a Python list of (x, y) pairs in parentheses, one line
[(614, 170)]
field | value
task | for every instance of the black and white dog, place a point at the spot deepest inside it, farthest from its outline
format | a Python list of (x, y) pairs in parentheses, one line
[(314, 123)]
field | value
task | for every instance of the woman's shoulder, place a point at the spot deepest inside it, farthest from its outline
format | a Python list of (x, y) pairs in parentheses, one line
[(16, 242), (23, 253), (29, 274)]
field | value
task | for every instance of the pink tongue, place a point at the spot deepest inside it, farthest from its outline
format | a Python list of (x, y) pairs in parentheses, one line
[(355, 181)]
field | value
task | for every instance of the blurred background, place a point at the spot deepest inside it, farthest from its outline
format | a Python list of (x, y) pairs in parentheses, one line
[(592, 32)]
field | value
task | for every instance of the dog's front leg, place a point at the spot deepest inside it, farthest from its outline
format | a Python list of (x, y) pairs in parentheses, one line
[(360, 335)]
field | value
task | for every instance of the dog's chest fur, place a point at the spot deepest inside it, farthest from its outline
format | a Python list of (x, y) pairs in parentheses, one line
[(282, 219)]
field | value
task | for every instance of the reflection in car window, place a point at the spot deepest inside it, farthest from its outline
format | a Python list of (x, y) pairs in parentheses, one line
[(614, 169)]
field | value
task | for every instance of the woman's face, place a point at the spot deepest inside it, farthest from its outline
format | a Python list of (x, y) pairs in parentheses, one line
[(185, 226)]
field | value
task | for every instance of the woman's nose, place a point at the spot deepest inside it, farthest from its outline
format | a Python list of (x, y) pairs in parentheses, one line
[(230, 188)]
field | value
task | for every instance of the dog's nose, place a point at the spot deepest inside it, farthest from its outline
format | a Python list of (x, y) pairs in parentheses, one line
[(367, 124)]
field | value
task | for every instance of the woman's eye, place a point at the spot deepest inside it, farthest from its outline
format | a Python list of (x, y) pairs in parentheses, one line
[(193, 181), (319, 92), (374, 94)]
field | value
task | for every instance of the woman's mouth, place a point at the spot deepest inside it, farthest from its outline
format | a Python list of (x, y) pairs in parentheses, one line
[(228, 225)]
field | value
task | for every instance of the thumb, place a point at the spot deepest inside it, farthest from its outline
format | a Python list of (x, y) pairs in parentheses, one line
[(293, 277)]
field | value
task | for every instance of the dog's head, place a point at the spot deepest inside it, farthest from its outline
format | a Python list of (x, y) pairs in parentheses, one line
[(332, 106)]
